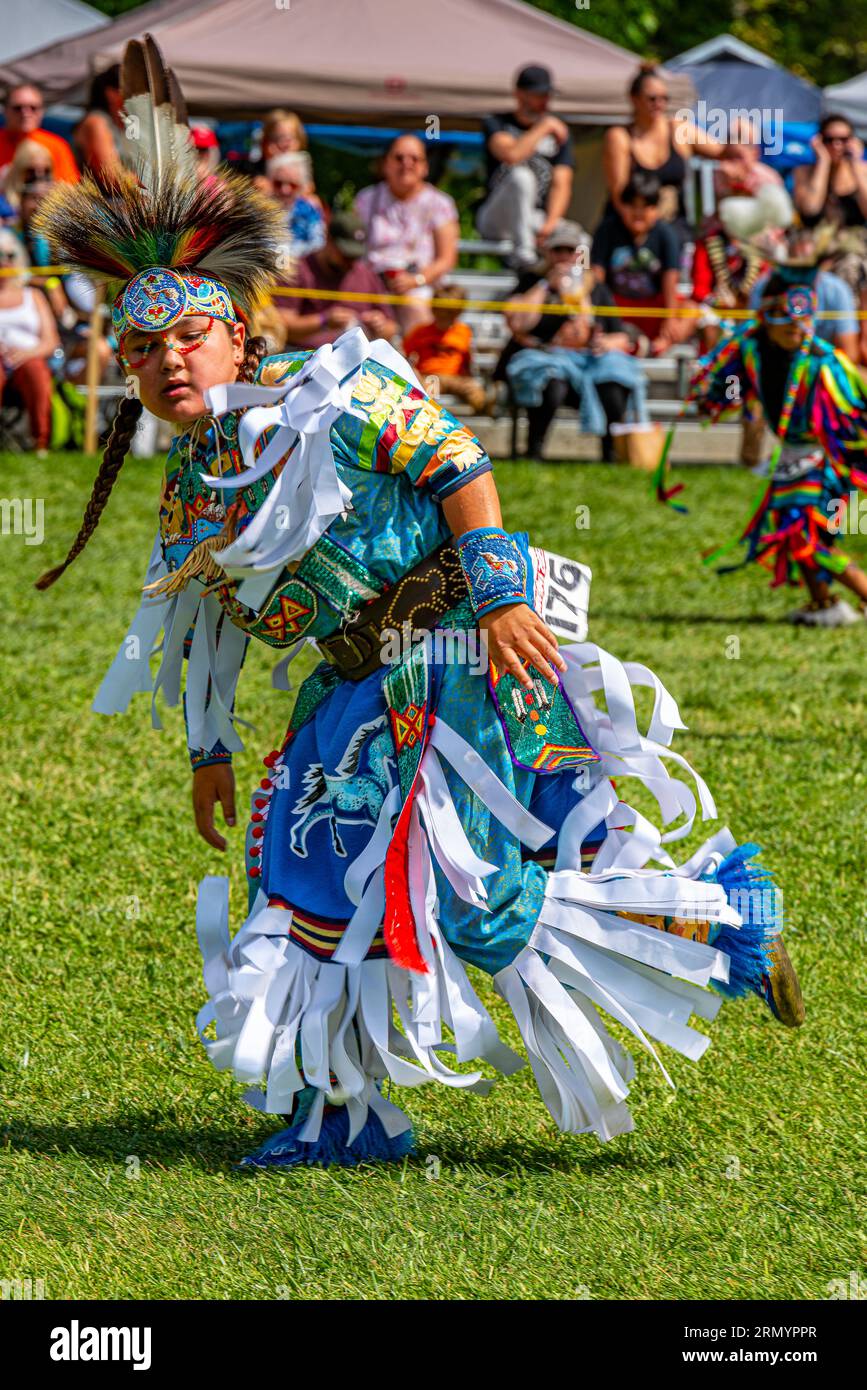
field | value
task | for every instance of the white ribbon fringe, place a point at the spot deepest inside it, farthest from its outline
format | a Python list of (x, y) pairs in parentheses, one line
[(584, 956)]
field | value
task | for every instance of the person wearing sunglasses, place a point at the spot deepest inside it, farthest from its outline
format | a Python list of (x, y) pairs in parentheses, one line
[(24, 110), (412, 229), (31, 165), (834, 187), (654, 143), (290, 176), (834, 190)]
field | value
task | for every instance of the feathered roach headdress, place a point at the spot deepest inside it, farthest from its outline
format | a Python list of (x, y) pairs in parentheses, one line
[(168, 242)]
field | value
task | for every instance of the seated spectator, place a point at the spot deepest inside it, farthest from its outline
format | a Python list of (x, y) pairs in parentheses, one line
[(69, 296), (741, 171), (834, 190), (834, 187), (100, 134), (29, 181), (412, 228), (530, 165), (30, 165), (655, 143), (290, 177), (833, 295), (282, 133), (443, 350), (554, 360), (24, 110), (637, 256), (341, 264), (28, 338), (207, 148)]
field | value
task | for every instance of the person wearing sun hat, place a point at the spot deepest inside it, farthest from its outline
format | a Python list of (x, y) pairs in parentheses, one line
[(815, 402), (415, 819)]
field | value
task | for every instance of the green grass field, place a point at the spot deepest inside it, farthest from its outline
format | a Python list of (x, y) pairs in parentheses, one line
[(118, 1138)]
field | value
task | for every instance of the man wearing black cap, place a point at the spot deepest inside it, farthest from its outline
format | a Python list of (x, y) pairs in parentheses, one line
[(341, 264), (529, 174)]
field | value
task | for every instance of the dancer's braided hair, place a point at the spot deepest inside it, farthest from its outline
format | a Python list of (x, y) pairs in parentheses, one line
[(255, 351), (122, 430)]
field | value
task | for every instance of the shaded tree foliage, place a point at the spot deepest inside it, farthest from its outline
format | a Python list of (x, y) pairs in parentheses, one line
[(823, 40)]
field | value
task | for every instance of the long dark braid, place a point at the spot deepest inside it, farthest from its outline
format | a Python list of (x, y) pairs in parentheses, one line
[(255, 351), (122, 430)]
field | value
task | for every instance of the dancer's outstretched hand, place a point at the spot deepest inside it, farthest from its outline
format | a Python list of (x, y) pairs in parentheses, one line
[(210, 785), (516, 631)]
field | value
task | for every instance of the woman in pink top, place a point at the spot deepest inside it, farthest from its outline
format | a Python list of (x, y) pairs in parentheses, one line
[(412, 228)]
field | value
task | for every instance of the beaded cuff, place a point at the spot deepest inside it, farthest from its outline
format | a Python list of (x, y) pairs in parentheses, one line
[(494, 569), (201, 757)]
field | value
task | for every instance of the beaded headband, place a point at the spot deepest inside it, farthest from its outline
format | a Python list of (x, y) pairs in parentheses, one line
[(158, 298), (797, 302)]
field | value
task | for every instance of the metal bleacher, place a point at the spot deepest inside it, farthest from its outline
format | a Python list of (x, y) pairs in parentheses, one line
[(667, 377)]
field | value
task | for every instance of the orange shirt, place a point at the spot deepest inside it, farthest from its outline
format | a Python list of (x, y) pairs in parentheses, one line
[(440, 351), (62, 158)]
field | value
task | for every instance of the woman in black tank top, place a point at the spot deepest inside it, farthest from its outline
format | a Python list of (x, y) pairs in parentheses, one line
[(655, 143)]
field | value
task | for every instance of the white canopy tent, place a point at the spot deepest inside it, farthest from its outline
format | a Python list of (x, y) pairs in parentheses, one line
[(35, 23), (849, 99)]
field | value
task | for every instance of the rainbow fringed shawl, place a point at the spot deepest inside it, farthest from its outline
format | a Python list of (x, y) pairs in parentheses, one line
[(825, 402)]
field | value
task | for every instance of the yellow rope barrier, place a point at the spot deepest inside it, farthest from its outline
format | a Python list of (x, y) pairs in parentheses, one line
[(496, 306)]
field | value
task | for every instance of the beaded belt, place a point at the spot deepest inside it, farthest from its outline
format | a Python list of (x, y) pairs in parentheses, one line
[(421, 598)]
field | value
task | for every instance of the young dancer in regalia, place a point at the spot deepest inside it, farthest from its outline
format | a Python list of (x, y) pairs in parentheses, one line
[(419, 816)]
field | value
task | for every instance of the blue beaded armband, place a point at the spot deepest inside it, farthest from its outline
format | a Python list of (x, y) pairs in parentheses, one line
[(493, 567), (203, 757)]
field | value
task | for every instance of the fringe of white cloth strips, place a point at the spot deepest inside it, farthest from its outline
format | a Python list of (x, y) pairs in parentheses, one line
[(267, 995)]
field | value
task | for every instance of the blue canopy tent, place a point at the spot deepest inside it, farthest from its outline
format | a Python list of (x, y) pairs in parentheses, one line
[(730, 76), (236, 137)]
